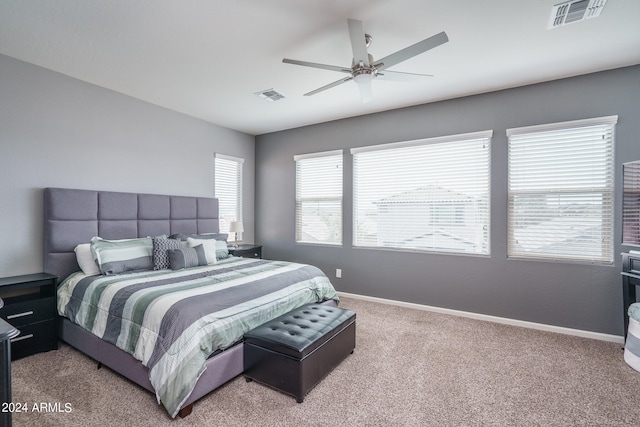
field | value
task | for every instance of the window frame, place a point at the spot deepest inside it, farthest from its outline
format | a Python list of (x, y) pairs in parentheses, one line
[(300, 160), (564, 191), (226, 218), (631, 203), (484, 246)]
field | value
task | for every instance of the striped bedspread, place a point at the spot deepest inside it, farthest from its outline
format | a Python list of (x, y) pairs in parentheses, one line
[(173, 320)]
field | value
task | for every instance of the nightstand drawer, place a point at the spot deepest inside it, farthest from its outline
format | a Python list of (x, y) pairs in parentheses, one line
[(246, 251), (250, 254), (27, 312), (634, 265), (34, 338)]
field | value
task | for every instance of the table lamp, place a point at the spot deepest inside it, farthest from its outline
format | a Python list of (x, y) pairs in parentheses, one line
[(236, 227)]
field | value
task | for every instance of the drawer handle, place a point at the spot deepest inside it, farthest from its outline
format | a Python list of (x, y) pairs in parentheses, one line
[(26, 313), (25, 337)]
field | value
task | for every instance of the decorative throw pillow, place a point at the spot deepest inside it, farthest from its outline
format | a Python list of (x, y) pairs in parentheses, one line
[(161, 246), (85, 259), (122, 256), (220, 247), (187, 257), (209, 248)]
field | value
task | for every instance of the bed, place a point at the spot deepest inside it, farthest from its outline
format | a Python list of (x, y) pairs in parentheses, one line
[(232, 295)]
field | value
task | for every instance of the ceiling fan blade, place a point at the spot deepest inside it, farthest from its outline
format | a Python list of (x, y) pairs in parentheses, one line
[(398, 76), (316, 65), (365, 92), (411, 51), (329, 86), (358, 42)]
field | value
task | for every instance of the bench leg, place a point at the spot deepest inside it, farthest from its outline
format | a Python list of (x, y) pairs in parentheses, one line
[(185, 411)]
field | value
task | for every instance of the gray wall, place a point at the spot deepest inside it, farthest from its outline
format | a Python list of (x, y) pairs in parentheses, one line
[(56, 131), (581, 296)]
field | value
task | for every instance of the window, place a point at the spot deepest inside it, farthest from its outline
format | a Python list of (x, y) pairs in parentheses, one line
[(560, 191), (430, 194), (228, 190), (319, 198), (631, 203)]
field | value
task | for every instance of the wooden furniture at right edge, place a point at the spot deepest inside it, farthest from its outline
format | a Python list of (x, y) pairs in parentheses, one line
[(630, 279)]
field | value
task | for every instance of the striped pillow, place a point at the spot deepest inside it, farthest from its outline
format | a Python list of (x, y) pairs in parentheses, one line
[(122, 256), (187, 257)]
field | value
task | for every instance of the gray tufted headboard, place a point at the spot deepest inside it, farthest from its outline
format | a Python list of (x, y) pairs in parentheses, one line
[(72, 217)]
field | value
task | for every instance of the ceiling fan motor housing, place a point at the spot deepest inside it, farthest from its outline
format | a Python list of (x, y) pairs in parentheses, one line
[(361, 73)]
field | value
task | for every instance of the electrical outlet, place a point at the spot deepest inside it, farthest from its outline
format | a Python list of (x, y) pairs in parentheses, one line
[(338, 273)]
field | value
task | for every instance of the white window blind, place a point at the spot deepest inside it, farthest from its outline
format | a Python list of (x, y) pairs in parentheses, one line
[(319, 198), (228, 190), (631, 204), (431, 194), (560, 191)]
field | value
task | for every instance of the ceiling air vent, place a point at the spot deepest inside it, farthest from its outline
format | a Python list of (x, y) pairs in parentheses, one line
[(270, 95), (574, 11)]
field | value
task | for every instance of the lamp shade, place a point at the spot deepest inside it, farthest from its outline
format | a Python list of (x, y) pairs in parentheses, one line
[(236, 227)]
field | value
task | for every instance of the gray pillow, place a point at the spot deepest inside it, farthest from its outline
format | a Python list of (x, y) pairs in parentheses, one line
[(187, 257), (161, 246)]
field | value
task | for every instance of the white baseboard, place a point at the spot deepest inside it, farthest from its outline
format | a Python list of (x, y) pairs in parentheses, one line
[(485, 317)]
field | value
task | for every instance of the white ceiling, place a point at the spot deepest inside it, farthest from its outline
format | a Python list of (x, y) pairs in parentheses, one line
[(206, 58)]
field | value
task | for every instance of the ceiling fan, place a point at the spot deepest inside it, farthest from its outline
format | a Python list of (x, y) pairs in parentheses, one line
[(363, 67)]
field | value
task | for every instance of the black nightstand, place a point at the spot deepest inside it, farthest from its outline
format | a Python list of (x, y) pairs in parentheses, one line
[(246, 251), (6, 333), (30, 306)]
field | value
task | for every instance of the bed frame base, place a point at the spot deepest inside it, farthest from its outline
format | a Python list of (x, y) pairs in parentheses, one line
[(182, 413), (220, 368)]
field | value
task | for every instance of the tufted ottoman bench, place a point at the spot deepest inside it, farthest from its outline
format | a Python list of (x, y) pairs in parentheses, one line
[(294, 352)]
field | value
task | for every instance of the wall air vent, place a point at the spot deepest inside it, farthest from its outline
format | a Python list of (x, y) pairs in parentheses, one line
[(575, 11), (270, 95)]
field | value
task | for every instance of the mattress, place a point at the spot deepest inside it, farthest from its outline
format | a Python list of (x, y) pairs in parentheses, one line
[(632, 343), (173, 320)]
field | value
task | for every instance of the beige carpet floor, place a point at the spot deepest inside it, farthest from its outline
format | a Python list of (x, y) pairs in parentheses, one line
[(410, 368)]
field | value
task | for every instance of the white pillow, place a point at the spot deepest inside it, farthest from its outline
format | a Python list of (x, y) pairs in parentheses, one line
[(209, 246), (84, 256)]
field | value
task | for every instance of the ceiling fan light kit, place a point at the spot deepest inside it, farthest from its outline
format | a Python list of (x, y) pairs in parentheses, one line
[(363, 76), (363, 67)]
